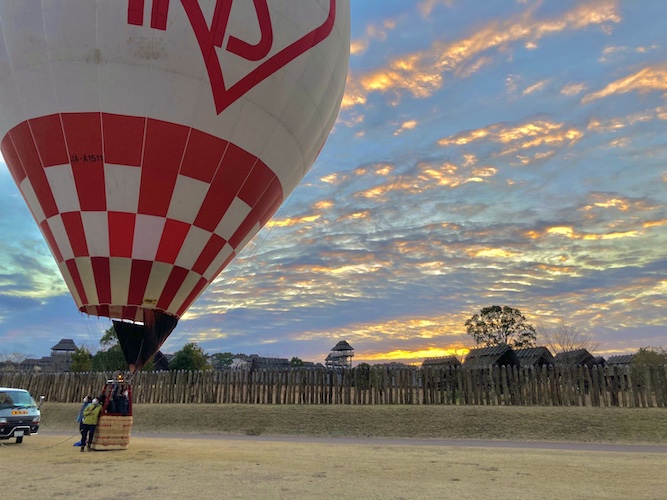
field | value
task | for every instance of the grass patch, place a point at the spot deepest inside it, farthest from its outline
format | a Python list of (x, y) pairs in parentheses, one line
[(518, 423)]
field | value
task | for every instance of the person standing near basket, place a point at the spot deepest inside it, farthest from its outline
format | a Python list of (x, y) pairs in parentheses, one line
[(79, 418), (91, 414)]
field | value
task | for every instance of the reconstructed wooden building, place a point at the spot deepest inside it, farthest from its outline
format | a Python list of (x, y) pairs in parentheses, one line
[(534, 356), (485, 357)]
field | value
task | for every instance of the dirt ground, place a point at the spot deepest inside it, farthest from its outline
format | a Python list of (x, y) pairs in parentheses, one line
[(49, 466), (384, 452)]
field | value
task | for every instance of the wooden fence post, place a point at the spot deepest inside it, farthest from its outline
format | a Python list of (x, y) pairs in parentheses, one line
[(634, 386), (661, 386), (517, 398)]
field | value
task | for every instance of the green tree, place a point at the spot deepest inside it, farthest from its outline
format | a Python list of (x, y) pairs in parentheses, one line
[(221, 360), (645, 360), (296, 362), (82, 360), (656, 356), (191, 357), (111, 359), (496, 325), (149, 366), (109, 338)]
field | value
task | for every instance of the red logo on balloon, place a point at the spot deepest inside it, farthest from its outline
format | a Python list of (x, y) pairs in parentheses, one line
[(213, 36)]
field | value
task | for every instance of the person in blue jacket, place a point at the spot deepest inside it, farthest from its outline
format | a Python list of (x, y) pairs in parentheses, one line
[(79, 417)]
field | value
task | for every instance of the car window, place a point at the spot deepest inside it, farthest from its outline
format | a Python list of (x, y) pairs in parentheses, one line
[(9, 399)]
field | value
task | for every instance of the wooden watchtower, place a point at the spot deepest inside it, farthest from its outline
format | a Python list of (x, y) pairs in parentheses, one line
[(340, 356)]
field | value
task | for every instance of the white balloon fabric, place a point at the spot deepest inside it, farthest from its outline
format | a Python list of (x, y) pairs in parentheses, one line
[(152, 139)]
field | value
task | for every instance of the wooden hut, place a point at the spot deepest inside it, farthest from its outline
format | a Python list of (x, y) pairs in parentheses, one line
[(45, 363), (486, 357), (578, 357), (58, 361), (262, 363), (162, 360), (311, 365), (620, 360), (532, 357), (441, 362)]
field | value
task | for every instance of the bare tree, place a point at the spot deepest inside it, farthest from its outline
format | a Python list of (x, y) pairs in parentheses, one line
[(13, 357), (565, 337)]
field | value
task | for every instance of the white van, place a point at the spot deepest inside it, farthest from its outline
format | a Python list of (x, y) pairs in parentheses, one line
[(19, 414)]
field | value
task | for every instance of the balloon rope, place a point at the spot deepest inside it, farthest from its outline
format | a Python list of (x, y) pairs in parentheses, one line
[(61, 442), (52, 445)]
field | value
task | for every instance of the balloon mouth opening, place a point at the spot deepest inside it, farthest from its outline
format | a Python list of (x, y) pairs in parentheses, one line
[(141, 341)]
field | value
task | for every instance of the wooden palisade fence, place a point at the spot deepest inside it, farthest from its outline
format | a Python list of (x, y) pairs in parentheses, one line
[(630, 386)]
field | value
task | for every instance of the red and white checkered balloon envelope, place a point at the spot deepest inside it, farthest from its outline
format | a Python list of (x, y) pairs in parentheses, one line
[(152, 139)]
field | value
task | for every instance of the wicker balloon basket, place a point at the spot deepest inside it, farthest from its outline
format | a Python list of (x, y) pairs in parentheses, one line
[(115, 423), (112, 432)]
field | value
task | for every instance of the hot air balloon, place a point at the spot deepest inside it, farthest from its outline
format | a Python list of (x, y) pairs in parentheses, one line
[(152, 139)]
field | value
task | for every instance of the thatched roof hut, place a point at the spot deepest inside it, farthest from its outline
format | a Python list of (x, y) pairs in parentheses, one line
[(486, 357), (534, 356), (311, 365), (578, 357), (162, 360), (620, 360), (441, 362), (261, 363)]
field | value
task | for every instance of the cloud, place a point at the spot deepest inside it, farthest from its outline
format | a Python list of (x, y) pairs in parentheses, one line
[(609, 52), (427, 175), (426, 7), (13, 303), (621, 122), (408, 125), (569, 232), (531, 134), (573, 89), (650, 79), (614, 202), (405, 339), (373, 32), (422, 73), (535, 87)]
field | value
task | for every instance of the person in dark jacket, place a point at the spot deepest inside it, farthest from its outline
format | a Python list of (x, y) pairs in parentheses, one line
[(120, 400)]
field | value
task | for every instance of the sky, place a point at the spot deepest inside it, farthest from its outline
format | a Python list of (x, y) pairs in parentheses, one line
[(504, 152)]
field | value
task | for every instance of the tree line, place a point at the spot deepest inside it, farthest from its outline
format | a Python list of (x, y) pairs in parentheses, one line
[(496, 325), (191, 357)]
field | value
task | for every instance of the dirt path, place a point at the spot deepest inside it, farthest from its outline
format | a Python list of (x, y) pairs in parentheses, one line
[(48, 466), (465, 443)]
